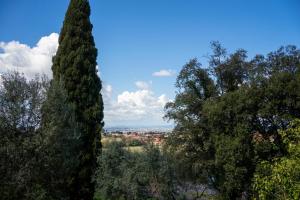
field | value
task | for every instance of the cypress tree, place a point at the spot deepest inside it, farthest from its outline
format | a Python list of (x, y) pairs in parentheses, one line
[(75, 65)]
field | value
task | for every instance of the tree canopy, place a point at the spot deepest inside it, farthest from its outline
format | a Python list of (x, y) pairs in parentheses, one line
[(221, 113)]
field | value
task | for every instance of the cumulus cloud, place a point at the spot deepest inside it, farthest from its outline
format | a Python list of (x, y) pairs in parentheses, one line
[(15, 56), (106, 92), (164, 72), (140, 107), (142, 85)]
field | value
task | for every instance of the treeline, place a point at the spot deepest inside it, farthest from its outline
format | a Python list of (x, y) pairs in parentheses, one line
[(235, 123)]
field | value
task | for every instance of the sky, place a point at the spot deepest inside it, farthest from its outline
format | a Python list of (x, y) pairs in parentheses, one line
[(142, 45)]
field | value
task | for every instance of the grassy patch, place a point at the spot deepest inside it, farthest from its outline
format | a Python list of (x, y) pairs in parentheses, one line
[(135, 149)]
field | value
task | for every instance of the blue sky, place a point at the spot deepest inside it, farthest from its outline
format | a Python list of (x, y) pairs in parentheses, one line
[(136, 38)]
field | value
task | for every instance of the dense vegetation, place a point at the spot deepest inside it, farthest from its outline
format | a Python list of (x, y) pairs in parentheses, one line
[(50, 130), (126, 175), (279, 178), (237, 129), (229, 116)]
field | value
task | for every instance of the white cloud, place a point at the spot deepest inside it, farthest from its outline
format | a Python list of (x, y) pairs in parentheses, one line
[(162, 99), (140, 107), (108, 88), (164, 72), (142, 85), (106, 92), (15, 56)]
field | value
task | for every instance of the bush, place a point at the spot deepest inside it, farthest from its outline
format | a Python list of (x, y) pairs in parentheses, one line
[(280, 178), (134, 143), (125, 175)]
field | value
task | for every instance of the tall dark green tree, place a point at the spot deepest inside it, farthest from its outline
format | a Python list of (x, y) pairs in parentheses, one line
[(75, 65)]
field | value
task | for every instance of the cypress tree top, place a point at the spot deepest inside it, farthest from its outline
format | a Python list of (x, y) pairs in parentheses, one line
[(75, 60)]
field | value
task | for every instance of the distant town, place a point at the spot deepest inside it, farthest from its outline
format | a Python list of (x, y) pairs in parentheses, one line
[(139, 130), (143, 135)]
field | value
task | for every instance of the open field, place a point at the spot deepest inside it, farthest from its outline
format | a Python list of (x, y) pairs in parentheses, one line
[(105, 140), (136, 149), (131, 145)]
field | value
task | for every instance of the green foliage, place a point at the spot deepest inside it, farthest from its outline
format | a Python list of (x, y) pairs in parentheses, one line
[(21, 101), (48, 147), (230, 71), (75, 65), (112, 163), (38, 157), (280, 178), (223, 135), (134, 143), (20, 117), (61, 143), (125, 175), (190, 136)]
